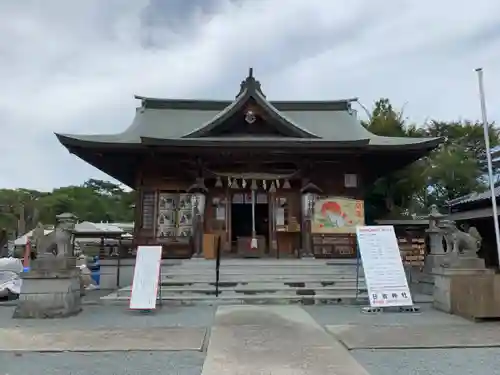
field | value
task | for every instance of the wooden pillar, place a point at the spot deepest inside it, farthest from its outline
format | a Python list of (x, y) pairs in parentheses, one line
[(273, 241), (198, 202)]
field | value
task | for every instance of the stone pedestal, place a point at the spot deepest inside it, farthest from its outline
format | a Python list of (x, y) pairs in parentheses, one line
[(51, 289), (466, 292), (433, 261), (469, 263)]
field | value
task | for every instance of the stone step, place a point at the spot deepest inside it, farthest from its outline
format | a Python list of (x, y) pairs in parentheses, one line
[(259, 281), (261, 284), (265, 266), (253, 289), (297, 272), (256, 278), (348, 298), (252, 263), (264, 262), (255, 273)]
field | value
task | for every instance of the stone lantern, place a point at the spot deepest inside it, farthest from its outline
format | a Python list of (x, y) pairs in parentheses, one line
[(436, 234)]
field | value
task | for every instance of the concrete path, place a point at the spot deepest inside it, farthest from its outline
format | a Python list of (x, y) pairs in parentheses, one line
[(144, 339), (274, 340), (417, 336)]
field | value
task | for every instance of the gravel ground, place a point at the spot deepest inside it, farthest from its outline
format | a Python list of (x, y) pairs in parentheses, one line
[(119, 317), (332, 315), (111, 363), (430, 362)]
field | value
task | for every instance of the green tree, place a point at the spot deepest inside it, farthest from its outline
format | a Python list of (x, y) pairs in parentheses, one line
[(454, 169), (94, 200), (393, 194), (453, 172)]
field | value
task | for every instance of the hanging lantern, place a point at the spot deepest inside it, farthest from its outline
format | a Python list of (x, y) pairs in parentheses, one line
[(254, 185), (272, 189), (234, 185), (218, 182), (243, 184), (277, 184), (229, 182), (286, 185), (264, 184)]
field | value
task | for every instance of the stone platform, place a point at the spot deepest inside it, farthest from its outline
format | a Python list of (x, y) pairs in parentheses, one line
[(51, 289)]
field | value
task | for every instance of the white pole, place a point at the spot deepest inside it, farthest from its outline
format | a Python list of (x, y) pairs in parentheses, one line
[(488, 158)]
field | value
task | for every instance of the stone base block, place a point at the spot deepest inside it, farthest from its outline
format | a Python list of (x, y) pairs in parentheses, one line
[(48, 263), (472, 262), (46, 295), (434, 261), (471, 293)]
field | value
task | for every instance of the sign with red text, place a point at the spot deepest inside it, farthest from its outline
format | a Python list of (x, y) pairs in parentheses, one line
[(383, 267)]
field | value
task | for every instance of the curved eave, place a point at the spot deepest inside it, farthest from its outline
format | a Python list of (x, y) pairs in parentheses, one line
[(238, 104), (114, 164), (281, 143), (402, 144), (71, 141)]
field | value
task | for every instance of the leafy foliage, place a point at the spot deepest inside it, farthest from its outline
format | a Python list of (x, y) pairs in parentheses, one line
[(95, 201), (454, 169)]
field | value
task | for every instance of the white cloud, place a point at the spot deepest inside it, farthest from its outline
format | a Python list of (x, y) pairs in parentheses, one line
[(74, 66)]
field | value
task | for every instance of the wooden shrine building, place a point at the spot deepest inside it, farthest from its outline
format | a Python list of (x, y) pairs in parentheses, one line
[(268, 178)]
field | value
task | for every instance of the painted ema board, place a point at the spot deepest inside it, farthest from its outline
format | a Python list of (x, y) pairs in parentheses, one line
[(146, 275), (383, 267)]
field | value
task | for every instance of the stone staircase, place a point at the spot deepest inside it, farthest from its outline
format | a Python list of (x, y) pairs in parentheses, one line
[(258, 281)]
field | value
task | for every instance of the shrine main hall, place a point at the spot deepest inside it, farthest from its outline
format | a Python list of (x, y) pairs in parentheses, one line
[(251, 176)]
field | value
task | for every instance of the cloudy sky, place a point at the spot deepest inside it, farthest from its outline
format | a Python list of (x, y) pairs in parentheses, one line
[(74, 66)]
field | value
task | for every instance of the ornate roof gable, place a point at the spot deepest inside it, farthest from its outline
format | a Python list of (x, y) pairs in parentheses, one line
[(252, 114)]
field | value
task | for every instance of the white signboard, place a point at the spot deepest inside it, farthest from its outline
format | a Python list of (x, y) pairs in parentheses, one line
[(384, 272), (146, 275)]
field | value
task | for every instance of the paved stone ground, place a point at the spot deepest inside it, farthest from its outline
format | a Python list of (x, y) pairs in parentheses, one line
[(377, 362), (278, 340), (417, 336), (483, 361), (112, 363), (339, 315), (99, 340), (93, 317), (449, 361)]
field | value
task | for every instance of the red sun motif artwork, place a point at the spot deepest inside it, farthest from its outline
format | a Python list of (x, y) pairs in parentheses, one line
[(338, 215)]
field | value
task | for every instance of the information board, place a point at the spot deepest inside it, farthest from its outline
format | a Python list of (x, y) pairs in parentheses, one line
[(146, 278), (384, 272)]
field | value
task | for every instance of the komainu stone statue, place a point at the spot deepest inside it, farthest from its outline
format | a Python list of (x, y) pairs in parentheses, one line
[(464, 248), (52, 287), (448, 227), (63, 235), (37, 237)]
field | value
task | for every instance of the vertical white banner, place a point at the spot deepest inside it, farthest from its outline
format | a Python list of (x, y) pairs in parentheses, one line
[(146, 278)]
